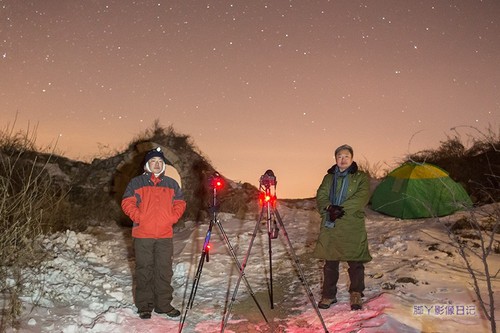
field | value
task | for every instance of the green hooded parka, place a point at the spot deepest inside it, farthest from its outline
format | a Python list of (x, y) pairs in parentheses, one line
[(348, 240)]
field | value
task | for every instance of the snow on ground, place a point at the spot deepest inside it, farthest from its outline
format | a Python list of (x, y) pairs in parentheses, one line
[(415, 283)]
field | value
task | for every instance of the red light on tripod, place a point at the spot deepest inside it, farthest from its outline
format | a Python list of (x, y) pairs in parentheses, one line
[(208, 247), (217, 183), (264, 198)]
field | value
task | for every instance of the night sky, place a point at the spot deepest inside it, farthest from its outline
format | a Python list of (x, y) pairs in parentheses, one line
[(257, 84)]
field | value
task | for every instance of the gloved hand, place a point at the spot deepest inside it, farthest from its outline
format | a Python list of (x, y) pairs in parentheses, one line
[(335, 212)]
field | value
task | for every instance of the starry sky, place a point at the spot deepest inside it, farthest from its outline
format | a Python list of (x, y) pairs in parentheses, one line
[(257, 84)]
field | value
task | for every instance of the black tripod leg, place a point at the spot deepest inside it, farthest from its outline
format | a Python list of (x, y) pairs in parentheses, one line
[(299, 269), (271, 301), (242, 274), (196, 281), (235, 259)]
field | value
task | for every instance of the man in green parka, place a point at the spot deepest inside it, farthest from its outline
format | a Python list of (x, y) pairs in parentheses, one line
[(341, 199)]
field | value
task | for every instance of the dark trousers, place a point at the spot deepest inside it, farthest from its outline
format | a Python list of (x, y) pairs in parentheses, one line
[(153, 274), (331, 276)]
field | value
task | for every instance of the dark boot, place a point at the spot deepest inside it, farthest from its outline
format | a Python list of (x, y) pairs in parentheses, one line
[(326, 302), (171, 313), (145, 315), (356, 302)]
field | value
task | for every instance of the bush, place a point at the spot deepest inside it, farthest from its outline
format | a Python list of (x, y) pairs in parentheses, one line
[(474, 164), (28, 204), (477, 167)]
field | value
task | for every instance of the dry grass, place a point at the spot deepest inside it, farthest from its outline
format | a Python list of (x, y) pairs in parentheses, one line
[(374, 171), (472, 161), (28, 204), (475, 163)]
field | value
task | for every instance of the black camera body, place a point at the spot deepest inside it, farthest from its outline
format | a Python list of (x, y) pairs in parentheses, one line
[(268, 179)]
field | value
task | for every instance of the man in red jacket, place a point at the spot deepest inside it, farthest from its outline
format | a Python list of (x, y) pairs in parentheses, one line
[(154, 203)]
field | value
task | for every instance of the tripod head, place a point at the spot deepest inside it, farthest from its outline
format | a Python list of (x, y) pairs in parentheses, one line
[(267, 187), (267, 198), (215, 183)]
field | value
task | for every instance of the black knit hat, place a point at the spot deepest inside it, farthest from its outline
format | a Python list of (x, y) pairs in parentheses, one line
[(154, 153)]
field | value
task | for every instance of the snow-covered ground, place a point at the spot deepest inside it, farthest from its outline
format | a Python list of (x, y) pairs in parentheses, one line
[(415, 283)]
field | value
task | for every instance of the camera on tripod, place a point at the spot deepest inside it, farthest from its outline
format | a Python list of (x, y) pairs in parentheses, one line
[(268, 179), (216, 181), (267, 199), (267, 194)]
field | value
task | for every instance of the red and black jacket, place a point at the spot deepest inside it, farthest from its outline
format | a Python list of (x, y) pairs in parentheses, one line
[(154, 204)]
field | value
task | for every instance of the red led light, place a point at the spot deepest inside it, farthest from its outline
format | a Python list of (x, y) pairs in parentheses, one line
[(217, 183), (265, 198)]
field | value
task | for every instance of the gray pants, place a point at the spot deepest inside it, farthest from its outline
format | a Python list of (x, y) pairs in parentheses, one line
[(153, 274)]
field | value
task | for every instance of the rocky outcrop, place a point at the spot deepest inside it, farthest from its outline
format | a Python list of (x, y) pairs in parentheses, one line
[(194, 169), (94, 190)]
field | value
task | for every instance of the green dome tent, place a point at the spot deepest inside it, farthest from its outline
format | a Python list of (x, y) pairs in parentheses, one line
[(416, 190)]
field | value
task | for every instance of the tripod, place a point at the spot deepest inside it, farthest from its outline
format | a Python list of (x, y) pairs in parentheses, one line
[(268, 202), (216, 183)]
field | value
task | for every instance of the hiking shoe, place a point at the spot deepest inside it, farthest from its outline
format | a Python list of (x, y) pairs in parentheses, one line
[(326, 302), (356, 303), (172, 313), (145, 315)]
